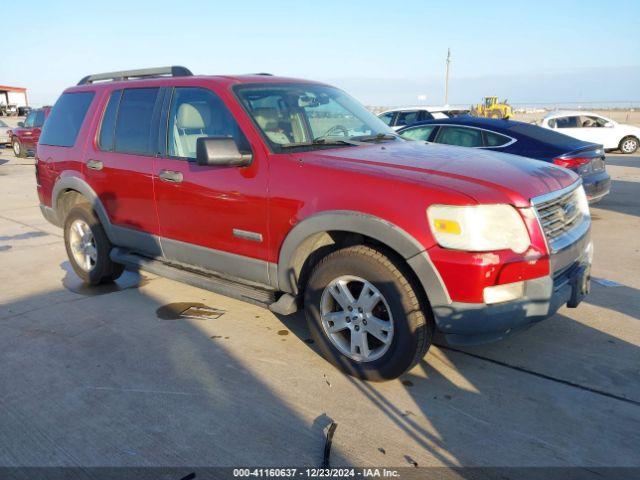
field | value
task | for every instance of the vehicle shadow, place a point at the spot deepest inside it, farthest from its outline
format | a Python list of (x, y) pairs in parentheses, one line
[(464, 396), (622, 298), (145, 391), (112, 384), (624, 198), (631, 161)]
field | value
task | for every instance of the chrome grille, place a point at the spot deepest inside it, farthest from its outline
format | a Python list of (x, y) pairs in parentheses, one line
[(558, 215)]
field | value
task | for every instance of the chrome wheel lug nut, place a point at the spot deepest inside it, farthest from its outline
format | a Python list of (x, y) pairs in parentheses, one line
[(357, 328)]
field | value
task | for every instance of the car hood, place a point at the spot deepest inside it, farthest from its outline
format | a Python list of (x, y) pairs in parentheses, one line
[(484, 176)]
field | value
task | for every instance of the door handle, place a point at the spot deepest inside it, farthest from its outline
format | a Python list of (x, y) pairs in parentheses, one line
[(170, 176), (94, 164)]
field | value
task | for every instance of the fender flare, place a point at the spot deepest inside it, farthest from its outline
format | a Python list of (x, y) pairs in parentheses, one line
[(302, 239), (82, 187)]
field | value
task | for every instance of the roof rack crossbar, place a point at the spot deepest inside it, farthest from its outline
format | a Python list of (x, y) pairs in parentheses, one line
[(174, 71)]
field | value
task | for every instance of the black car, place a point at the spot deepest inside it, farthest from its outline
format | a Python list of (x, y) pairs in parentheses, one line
[(518, 138)]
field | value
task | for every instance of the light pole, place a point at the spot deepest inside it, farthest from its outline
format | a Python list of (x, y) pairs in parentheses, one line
[(446, 78)]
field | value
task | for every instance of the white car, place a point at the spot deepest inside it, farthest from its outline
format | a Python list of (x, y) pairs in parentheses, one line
[(591, 127), (401, 117)]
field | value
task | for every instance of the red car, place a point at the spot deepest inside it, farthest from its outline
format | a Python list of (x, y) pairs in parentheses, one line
[(290, 194), (24, 138)]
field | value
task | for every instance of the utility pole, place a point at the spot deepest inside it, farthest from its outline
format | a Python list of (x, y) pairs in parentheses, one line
[(446, 78)]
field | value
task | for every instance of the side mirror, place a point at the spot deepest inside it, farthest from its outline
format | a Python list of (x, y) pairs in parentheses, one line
[(609, 124), (221, 151), (21, 124)]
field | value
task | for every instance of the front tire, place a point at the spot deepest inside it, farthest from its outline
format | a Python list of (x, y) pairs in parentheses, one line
[(18, 151), (88, 247), (628, 145), (364, 314)]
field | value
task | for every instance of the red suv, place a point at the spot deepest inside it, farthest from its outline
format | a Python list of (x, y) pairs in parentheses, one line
[(290, 194), (24, 138)]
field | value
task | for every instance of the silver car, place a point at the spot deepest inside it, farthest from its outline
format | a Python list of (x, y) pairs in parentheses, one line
[(4, 133)]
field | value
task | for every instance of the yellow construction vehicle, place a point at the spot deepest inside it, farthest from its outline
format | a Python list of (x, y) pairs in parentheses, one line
[(491, 108)]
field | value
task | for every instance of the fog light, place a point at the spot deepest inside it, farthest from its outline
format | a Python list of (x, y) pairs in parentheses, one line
[(503, 293)]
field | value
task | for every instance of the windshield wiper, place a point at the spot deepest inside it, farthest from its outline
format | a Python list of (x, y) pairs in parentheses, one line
[(376, 138), (322, 141)]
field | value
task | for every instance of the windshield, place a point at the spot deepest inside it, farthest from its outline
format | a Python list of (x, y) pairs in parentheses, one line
[(3, 125), (311, 116)]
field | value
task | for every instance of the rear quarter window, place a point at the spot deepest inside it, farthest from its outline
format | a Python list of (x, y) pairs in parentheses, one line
[(492, 139), (62, 127)]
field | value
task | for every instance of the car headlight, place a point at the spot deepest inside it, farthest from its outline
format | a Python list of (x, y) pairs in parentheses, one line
[(478, 228), (581, 200)]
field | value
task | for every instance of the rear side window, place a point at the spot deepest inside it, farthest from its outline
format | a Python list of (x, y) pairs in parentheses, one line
[(461, 136), (30, 120), (407, 118), (65, 120), (39, 120), (492, 139), (418, 133), (568, 122), (134, 121)]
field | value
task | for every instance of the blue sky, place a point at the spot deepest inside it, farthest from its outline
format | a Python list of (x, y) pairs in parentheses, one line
[(383, 52)]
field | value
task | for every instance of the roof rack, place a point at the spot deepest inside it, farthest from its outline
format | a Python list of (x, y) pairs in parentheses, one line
[(174, 71), (264, 74)]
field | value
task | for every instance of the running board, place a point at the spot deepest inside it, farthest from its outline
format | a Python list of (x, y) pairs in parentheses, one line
[(263, 297)]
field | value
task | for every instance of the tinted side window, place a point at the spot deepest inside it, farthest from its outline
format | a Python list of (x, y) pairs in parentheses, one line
[(461, 136), (492, 139), (567, 122), (65, 120), (108, 126), (198, 112), (407, 118), (133, 125), (30, 120), (39, 118), (387, 117), (418, 133), (424, 115)]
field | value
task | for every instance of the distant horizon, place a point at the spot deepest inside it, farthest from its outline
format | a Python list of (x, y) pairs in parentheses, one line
[(547, 89)]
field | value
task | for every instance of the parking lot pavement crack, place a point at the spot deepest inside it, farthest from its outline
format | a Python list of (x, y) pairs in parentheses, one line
[(544, 376)]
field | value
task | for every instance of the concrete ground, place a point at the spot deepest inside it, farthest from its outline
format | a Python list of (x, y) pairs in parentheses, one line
[(97, 377)]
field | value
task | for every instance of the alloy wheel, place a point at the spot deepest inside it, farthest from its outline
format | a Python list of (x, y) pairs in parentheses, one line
[(83, 245), (629, 145), (356, 318)]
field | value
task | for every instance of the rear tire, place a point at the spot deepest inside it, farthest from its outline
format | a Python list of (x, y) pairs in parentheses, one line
[(381, 300), (88, 247), (18, 150), (629, 145)]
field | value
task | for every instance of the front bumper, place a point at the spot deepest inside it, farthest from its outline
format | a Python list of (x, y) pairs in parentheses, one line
[(475, 323)]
